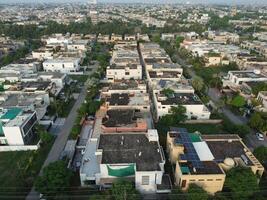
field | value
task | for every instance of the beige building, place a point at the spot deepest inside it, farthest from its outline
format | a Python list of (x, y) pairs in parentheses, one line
[(204, 160)]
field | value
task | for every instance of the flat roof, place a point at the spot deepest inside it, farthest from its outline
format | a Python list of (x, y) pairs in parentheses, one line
[(131, 148), (226, 149), (11, 113), (121, 117), (247, 74), (126, 85), (180, 99)]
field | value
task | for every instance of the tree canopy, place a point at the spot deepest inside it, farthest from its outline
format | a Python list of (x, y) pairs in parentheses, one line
[(261, 153), (258, 121), (196, 193), (238, 101), (241, 182), (123, 189), (54, 180), (177, 115)]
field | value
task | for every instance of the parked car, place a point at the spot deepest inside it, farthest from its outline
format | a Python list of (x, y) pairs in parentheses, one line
[(259, 136)]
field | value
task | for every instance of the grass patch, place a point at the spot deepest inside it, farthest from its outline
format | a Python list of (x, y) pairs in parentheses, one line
[(19, 170)]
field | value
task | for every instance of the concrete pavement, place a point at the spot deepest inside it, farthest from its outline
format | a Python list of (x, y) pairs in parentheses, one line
[(61, 140)]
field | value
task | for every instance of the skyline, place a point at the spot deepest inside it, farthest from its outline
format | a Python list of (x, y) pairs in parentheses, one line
[(223, 2)]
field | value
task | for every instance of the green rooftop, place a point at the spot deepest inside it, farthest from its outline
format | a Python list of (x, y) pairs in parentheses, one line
[(185, 170), (11, 113), (194, 137)]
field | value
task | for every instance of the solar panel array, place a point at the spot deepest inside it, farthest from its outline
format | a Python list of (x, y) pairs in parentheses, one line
[(162, 83), (182, 137)]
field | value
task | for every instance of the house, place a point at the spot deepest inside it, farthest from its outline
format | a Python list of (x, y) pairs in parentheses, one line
[(204, 159), (137, 157), (235, 79), (128, 37), (115, 37), (163, 102), (62, 64), (125, 100), (262, 98), (17, 126), (120, 72), (167, 36), (212, 59), (103, 38), (125, 86)]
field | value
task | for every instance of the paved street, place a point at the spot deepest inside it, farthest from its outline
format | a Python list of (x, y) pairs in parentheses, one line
[(61, 140), (214, 94)]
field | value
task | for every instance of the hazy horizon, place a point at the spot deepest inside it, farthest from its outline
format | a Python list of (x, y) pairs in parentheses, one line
[(229, 2)]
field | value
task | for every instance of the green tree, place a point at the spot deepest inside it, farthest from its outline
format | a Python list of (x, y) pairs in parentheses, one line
[(241, 182), (54, 180), (167, 92), (198, 83), (196, 193), (176, 116), (179, 40), (45, 137), (256, 121), (260, 86), (261, 153), (123, 189), (238, 101)]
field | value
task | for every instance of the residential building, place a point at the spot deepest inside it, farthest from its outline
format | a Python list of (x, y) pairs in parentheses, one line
[(16, 126), (163, 103), (235, 78), (204, 159), (63, 65)]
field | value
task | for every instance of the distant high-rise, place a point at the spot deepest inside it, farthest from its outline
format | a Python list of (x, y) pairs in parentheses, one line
[(92, 1)]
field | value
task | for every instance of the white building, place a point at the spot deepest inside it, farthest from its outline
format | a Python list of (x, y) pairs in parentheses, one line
[(115, 72), (195, 109), (137, 157), (63, 65), (16, 126), (236, 78)]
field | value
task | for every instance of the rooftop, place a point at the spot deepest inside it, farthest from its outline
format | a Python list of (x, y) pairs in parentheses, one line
[(179, 99), (119, 118), (128, 99), (131, 148), (248, 74), (164, 74)]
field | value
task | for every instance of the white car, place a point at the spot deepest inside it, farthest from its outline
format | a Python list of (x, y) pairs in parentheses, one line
[(260, 136)]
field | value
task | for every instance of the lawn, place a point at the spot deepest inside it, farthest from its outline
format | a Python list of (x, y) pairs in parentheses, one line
[(19, 170)]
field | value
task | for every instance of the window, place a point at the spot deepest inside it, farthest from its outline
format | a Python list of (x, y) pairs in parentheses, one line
[(127, 73), (209, 179), (201, 180), (192, 180), (183, 183), (218, 179), (145, 180)]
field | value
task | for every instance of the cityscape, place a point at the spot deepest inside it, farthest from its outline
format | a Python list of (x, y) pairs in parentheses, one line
[(125, 100)]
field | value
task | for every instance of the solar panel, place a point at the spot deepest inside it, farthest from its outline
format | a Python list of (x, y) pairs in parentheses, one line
[(162, 83), (182, 137)]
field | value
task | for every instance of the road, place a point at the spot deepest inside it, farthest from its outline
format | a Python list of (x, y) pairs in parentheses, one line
[(61, 139), (215, 95), (251, 139)]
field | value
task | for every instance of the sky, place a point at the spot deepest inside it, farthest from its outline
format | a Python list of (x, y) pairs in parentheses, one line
[(254, 2)]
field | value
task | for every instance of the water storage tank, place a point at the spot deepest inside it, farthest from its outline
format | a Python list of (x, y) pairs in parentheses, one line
[(257, 71), (228, 164)]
